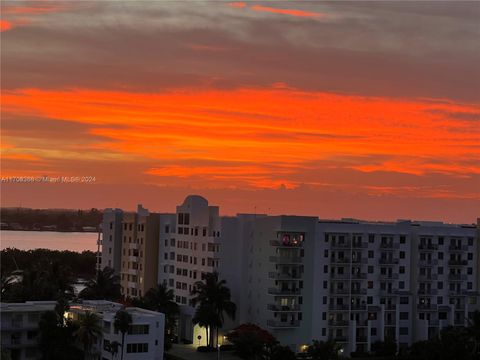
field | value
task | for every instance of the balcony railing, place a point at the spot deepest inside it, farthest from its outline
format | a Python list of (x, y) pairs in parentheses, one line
[(283, 308), (388, 261), (338, 307), (283, 324), (338, 323), (388, 276), (458, 248), (391, 246), (427, 247), (427, 307), (457, 262), (343, 260), (457, 277), (428, 262), (359, 291), (359, 245), (427, 291), (283, 276), (278, 243), (286, 259), (427, 277), (277, 291), (340, 245)]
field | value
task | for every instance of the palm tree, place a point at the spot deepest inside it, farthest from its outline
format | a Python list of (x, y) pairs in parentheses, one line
[(114, 345), (214, 300), (122, 323), (89, 330), (161, 299), (105, 286), (474, 330), (206, 317)]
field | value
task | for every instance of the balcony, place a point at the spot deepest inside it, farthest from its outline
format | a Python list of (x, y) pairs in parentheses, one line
[(278, 243), (458, 248), (359, 245), (359, 261), (283, 276), (340, 291), (277, 291), (341, 245), (338, 323), (457, 262), (385, 292), (427, 291), (359, 291), (457, 277), (341, 339), (388, 261), (389, 246), (359, 307), (283, 324), (343, 260), (338, 307), (286, 259), (428, 263), (427, 277), (427, 307), (361, 339), (388, 276), (283, 308), (427, 247)]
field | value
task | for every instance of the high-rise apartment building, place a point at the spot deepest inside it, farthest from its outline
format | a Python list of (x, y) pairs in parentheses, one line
[(304, 278)]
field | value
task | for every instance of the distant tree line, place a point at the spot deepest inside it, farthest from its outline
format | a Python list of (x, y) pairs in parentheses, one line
[(79, 265), (64, 220)]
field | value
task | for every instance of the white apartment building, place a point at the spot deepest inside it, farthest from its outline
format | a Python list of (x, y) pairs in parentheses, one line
[(359, 282), (304, 278), (144, 339), (19, 327)]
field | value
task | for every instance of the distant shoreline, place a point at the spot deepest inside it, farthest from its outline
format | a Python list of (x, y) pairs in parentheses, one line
[(56, 231)]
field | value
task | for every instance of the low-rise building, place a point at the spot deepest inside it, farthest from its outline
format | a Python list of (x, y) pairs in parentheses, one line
[(19, 327), (144, 339)]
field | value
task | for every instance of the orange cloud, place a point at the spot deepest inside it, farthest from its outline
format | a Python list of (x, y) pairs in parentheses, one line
[(34, 8), (291, 12), (5, 25), (238, 5), (263, 137)]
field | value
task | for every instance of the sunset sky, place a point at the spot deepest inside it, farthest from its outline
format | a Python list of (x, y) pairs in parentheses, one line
[(335, 109)]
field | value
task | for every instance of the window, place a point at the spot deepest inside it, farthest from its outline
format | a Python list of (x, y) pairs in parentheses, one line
[(373, 331), (138, 330), (370, 284), (370, 254), (439, 300), (402, 254), (469, 286), (370, 269), (325, 284), (186, 219), (325, 269), (401, 269), (371, 238), (440, 241), (402, 239), (470, 241), (440, 270), (401, 284), (440, 285), (403, 315), (469, 271), (440, 256), (137, 348), (324, 331), (470, 256), (404, 300), (167, 229), (325, 253), (369, 300), (403, 331)]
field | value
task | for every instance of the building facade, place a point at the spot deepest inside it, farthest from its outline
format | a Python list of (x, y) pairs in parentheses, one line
[(305, 278), (144, 339), (19, 327)]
